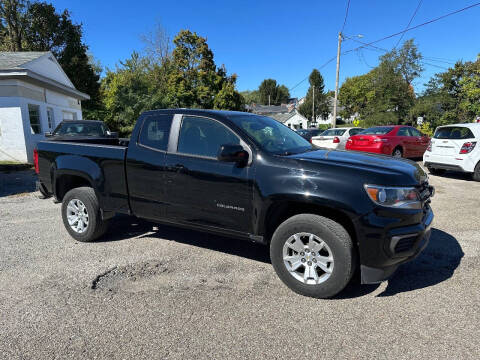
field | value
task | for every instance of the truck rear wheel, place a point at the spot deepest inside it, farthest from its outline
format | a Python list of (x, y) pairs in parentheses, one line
[(313, 255), (81, 215)]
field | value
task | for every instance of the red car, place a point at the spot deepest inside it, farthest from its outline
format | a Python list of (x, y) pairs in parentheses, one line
[(396, 140)]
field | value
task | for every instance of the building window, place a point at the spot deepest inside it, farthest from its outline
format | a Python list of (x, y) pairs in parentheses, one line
[(50, 118), (68, 115), (34, 115)]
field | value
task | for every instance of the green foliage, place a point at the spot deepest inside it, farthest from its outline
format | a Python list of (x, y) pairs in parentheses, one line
[(384, 95), (127, 92), (452, 96), (251, 96), (186, 78), (426, 128), (321, 99), (269, 89), (36, 26)]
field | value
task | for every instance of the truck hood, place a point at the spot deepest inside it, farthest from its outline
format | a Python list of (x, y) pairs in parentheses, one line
[(398, 171)]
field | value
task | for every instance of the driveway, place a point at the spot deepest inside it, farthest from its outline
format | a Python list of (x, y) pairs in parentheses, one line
[(147, 291)]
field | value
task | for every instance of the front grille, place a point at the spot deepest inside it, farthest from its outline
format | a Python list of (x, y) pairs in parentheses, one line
[(405, 244)]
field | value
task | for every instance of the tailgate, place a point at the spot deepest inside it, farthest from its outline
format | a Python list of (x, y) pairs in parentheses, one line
[(446, 147)]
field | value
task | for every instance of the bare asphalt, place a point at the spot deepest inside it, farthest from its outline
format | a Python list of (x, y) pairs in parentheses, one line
[(148, 291)]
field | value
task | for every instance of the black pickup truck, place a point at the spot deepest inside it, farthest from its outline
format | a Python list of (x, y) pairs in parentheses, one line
[(323, 213)]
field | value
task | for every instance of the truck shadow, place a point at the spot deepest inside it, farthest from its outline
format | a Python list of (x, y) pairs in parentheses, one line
[(125, 227), (436, 264)]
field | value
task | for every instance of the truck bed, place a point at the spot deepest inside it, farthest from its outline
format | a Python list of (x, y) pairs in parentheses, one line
[(104, 159)]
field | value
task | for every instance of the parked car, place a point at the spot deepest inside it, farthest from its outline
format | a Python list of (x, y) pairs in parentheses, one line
[(74, 129), (454, 147), (396, 140), (335, 138), (321, 212), (308, 133)]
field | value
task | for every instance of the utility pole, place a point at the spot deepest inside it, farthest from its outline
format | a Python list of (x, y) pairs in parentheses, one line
[(268, 100), (313, 104), (334, 121)]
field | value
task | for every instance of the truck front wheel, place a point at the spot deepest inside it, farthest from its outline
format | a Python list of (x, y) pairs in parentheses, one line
[(313, 255), (81, 215)]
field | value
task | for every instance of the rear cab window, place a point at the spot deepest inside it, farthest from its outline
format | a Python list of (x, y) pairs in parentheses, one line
[(453, 133), (155, 132)]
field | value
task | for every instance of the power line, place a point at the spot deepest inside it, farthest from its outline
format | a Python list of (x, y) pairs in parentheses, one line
[(392, 35), (411, 19), (346, 15), (422, 24)]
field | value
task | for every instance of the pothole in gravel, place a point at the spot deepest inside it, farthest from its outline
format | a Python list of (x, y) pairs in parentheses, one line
[(163, 275)]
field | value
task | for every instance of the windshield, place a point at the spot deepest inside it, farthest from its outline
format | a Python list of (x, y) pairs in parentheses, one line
[(378, 130), (453, 132), (333, 132), (80, 129), (271, 135)]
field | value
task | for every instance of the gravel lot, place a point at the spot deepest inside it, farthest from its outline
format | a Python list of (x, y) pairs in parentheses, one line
[(149, 291)]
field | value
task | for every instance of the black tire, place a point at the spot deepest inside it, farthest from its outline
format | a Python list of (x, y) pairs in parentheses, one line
[(476, 173), (96, 226), (437, 172), (396, 151), (335, 237)]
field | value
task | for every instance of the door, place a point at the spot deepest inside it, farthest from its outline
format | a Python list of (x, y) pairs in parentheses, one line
[(145, 167), (200, 190), (421, 141), (409, 142)]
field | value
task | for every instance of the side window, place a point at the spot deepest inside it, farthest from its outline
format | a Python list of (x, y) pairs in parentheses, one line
[(203, 137), (354, 131), (155, 131), (415, 132), (403, 132)]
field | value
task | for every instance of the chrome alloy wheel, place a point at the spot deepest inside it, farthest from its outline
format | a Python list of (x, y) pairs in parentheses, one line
[(308, 258), (397, 153), (77, 216)]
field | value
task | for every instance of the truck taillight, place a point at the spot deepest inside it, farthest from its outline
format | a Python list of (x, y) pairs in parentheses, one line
[(336, 140), (35, 160), (468, 147), (429, 148)]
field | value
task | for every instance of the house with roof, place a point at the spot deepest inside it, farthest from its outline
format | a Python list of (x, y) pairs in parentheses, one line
[(285, 113), (35, 96)]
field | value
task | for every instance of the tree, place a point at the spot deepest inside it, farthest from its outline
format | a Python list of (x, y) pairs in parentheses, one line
[(385, 94), (251, 96), (405, 61), (321, 106), (194, 79), (127, 92), (13, 18), (272, 93), (228, 99), (38, 27)]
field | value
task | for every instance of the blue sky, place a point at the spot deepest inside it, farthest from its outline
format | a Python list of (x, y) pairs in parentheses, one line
[(283, 40)]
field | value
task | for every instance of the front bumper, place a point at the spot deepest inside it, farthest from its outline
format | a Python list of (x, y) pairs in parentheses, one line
[(383, 251)]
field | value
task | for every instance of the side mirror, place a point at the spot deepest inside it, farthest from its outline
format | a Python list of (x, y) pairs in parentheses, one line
[(112, 134), (232, 153), (48, 134)]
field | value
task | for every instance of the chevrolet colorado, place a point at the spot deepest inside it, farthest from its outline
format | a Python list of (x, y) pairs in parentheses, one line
[(323, 213)]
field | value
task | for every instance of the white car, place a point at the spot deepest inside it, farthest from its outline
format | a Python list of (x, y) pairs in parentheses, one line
[(454, 147), (335, 138)]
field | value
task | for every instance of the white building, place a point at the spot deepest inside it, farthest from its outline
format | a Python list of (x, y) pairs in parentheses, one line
[(293, 119), (35, 95)]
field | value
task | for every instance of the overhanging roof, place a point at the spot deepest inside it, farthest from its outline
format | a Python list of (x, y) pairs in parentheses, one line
[(40, 80)]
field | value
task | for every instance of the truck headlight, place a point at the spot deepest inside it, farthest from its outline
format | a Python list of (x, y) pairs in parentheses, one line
[(398, 197)]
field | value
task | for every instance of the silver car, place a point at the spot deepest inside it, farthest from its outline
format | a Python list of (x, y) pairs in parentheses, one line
[(335, 138)]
